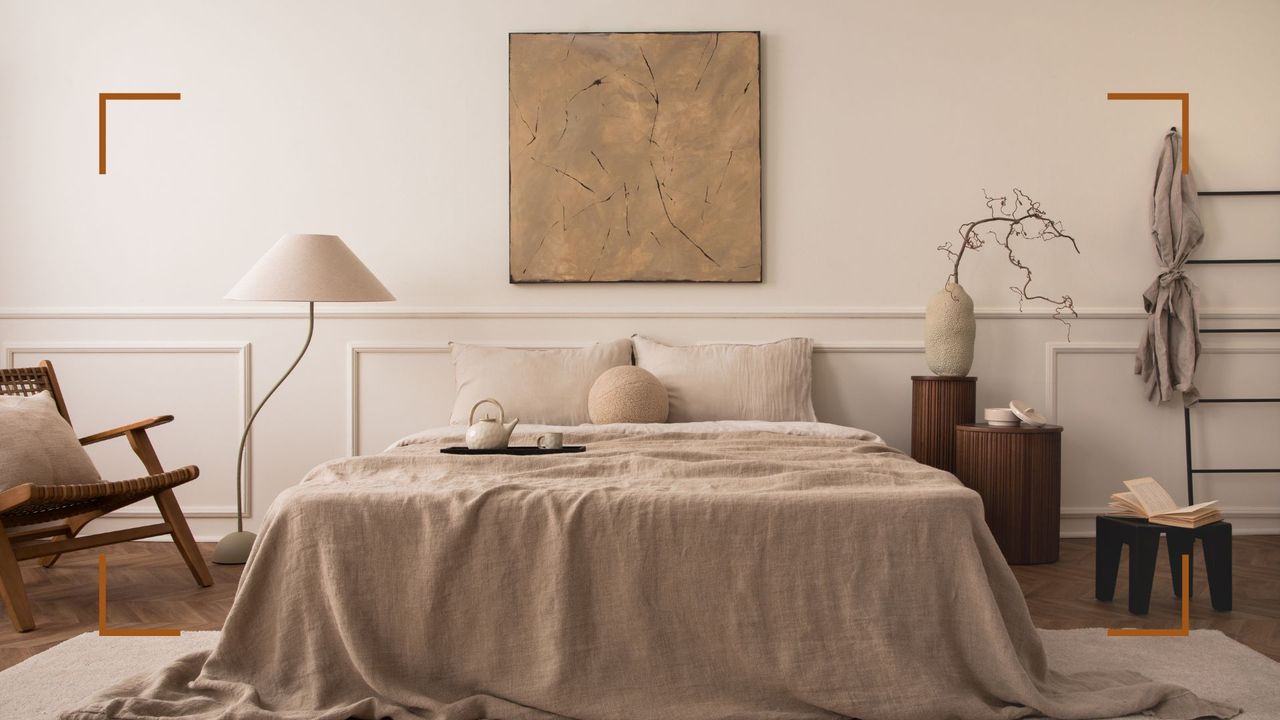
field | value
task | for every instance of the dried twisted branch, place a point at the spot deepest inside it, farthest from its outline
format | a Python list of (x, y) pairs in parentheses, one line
[(1023, 219)]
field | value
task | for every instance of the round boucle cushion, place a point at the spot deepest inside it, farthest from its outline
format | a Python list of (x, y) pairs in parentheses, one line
[(627, 394)]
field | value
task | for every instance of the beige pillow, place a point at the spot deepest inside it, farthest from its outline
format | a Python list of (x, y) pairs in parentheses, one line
[(545, 387), (627, 394), (38, 446), (733, 382)]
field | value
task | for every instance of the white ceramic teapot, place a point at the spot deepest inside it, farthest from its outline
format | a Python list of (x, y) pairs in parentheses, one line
[(489, 434)]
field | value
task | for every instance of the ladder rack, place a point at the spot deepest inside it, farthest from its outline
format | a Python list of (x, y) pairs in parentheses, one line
[(1192, 470)]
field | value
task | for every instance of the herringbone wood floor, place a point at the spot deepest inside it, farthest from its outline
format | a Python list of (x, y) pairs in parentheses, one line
[(1060, 595), (149, 586)]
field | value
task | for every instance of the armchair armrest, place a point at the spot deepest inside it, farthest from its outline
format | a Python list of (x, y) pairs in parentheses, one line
[(125, 429)]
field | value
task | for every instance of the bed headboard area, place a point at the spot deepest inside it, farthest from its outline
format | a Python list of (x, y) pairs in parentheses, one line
[(382, 407), (368, 381)]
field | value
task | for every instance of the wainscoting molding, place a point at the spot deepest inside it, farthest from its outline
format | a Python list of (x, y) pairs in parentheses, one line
[(421, 312), (1054, 349), (242, 353), (356, 349)]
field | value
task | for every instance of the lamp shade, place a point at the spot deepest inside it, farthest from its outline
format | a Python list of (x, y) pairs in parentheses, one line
[(310, 268)]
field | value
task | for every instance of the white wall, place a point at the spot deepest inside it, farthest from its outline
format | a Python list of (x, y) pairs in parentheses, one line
[(386, 123)]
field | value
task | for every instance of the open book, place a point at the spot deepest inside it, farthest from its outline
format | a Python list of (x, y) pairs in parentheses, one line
[(1148, 499)]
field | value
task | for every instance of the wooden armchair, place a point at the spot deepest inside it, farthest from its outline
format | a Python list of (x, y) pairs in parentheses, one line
[(59, 512)]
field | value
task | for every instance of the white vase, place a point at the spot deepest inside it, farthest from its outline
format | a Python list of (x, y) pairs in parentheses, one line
[(949, 332)]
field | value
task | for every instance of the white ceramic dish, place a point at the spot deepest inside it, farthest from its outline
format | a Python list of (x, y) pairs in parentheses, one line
[(1028, 414), (1000, 416)]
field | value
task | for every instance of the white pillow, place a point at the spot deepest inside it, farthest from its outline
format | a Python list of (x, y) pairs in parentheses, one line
[(38, 446), (544, 387), (771, 382)]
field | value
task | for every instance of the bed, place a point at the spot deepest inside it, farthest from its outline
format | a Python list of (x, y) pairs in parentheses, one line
[(693, 570)]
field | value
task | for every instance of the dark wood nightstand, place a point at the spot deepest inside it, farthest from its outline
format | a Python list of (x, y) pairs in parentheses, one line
[(1018, 473), (938, 404)]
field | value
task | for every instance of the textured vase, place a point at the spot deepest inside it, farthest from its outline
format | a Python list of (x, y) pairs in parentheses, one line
[(949, 331)]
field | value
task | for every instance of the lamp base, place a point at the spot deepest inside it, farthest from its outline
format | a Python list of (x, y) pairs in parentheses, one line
[(234, 548)]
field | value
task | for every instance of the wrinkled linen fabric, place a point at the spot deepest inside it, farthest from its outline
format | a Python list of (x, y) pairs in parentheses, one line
[(788, 571), (1170, 345)]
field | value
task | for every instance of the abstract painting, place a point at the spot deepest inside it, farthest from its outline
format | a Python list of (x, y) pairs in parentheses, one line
[(635, 157)]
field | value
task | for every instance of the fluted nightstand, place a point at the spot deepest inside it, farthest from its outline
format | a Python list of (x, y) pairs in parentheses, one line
[(1018, 473), (938, 404)]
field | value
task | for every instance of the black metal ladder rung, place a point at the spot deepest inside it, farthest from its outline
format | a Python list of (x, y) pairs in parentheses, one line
[(1236, 261), (1192, 471), (1235, 470)]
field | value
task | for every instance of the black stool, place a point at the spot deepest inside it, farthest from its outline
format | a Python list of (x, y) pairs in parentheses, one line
[(1143, 539)]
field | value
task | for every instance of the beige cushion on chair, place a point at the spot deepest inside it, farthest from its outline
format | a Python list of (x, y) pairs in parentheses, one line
[(544, 387), (38, 446)]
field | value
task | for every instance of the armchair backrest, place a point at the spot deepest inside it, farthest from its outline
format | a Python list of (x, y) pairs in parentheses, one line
[(29, 381)]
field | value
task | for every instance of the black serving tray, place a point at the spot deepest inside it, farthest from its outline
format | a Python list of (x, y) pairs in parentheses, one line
[(523, 450)]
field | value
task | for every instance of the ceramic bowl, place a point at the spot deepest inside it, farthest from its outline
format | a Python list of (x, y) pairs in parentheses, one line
[(1000, 416)]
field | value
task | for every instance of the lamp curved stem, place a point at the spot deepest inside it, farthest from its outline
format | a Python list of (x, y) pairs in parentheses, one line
[(244, 439)]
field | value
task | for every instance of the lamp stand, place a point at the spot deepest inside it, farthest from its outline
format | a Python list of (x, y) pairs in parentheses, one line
[(234, 548)]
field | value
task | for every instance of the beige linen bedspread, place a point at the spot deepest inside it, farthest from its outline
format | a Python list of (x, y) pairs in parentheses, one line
[(727, 572)]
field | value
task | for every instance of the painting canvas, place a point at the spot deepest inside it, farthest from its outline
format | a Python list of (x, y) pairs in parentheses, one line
[(635, 157)]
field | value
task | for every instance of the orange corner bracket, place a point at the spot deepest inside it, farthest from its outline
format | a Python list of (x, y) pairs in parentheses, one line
[(1185, 98), (1166, 632), (102, 118), (105, 631)]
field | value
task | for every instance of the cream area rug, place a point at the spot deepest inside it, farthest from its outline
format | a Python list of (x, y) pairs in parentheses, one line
[(65, 675), (1208, 663)]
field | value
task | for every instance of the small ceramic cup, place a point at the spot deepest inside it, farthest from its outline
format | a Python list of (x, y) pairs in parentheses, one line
[(551, 441)]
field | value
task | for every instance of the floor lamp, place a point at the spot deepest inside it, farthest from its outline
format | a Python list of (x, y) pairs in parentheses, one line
[(298, 268)]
